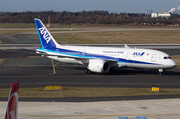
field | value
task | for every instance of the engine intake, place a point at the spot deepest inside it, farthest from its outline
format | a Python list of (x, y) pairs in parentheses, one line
[(98, 66)]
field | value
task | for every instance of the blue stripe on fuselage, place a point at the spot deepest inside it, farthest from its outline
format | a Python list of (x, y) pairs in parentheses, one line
[(79, 54)]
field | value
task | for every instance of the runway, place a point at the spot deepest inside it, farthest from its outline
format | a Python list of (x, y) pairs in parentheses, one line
[(69, 75), (32, 70)]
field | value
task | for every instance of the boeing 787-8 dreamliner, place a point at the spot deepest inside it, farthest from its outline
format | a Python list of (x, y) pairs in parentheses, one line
[(102, 59)]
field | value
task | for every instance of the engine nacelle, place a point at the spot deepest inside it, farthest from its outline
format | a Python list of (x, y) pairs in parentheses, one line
[(98, 66)]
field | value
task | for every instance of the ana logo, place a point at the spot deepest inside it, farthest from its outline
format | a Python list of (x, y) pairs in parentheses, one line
[(45, 34), (138, 53)]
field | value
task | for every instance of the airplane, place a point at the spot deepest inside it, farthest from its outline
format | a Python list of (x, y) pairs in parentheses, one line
[(101, 59), (12, 106)]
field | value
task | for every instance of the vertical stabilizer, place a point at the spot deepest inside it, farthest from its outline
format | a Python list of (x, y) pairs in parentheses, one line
[(47, 41), (12, 106)]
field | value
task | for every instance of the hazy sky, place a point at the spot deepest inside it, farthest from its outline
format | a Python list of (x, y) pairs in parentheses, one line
[(115, 6)]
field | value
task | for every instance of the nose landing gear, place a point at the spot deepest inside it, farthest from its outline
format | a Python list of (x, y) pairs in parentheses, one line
[(160, 72)]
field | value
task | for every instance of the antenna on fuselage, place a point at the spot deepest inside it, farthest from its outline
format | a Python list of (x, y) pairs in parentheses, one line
[(126, 46)]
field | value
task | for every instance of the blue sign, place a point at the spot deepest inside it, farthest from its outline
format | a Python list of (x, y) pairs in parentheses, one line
[(123, 117), (141, 117)]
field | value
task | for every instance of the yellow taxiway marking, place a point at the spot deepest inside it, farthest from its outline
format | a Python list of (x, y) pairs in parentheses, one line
[(57, 64), (1, 61), (53, 66)]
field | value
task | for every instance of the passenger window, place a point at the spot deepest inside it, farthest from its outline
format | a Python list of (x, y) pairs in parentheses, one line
[(165, 58)]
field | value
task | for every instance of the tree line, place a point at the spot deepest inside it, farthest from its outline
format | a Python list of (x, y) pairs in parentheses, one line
[(91, 17)]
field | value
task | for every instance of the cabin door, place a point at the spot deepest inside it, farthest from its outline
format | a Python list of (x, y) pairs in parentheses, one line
[(153, 57), (128, 56)]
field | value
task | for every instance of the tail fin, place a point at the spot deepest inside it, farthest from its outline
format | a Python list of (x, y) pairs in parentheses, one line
[(47, 41), (12, 106)]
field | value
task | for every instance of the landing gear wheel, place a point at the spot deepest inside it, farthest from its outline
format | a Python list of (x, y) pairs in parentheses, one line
[(160, 72), (87, 71)]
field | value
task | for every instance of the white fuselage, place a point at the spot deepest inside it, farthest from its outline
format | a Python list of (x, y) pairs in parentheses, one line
[(124, 57)]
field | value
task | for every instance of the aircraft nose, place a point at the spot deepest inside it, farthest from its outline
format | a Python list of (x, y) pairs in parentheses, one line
[(172, 63)]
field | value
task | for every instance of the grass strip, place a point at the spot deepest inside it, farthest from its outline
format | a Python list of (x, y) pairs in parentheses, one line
[(120, 37), (112, 37), (86, 92)]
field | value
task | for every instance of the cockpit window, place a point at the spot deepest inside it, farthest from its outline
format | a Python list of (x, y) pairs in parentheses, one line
[(167, 57)]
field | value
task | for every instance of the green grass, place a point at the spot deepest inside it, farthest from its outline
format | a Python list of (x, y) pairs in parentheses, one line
[(86, 92)]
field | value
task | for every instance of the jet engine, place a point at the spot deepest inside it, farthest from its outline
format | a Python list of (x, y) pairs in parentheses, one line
[(98, 66)]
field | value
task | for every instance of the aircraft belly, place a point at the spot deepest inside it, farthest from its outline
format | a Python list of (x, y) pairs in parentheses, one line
[(65, 60), (150, 66), (132, 65), (143, 66)]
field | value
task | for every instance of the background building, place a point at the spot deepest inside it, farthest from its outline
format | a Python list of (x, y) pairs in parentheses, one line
[(161, 14)]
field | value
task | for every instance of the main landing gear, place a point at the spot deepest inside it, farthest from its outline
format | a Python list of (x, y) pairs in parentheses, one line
[(87, 71), (160, 72)]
